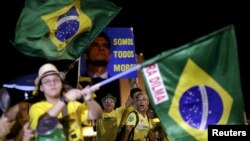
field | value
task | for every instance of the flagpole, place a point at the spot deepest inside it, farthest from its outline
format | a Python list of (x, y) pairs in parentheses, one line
[(106, 81), (78, 70)]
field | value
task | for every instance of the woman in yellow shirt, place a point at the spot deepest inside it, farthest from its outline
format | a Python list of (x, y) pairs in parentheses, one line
[(139, 126), (57, 100)]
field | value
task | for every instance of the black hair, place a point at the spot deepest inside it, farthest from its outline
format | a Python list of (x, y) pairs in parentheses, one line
[(104, 35), (98, 63), (135, 90)]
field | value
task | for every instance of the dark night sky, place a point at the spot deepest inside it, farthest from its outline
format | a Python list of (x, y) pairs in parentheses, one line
[(158, 26)]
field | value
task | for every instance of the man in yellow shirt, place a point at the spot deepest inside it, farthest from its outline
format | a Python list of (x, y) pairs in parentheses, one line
[(109, 122)]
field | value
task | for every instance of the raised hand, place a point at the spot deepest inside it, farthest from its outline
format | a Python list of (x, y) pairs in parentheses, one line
[(87, 92)]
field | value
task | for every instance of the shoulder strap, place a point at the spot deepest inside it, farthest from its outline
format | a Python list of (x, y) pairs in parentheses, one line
[(131, 136), (65, 121), (122, 128), (137, 118)]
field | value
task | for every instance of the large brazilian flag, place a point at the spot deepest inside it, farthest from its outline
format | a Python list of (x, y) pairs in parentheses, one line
[(61, 29), (196, 85)]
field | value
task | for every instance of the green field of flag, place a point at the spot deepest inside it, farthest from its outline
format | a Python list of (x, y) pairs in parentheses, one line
[(61, 29), (196, 85)]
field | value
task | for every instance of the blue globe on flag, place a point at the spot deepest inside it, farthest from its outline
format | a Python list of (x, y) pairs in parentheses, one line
[(201, 106), (68, 25)]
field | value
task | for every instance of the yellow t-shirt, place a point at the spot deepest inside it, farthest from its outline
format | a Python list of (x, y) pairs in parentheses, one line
[(125, 114), (78, 113), (107, 125), (142, 128)]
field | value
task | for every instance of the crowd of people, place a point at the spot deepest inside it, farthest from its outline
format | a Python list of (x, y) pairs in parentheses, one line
[(109, 120), (62, 101)]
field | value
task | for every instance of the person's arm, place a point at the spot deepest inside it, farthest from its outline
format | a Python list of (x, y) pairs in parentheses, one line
[(151, 135), (6, 119), (71, 95), (127, 131), (131, 123), (28, 133), (36, 112), (95, 110), (4, 127), (129, 102)]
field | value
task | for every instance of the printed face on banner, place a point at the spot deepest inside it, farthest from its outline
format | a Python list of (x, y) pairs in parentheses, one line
[(115, 49)]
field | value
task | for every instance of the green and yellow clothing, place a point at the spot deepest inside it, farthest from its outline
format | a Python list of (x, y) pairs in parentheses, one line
[(107, 125), (158, 130), (78, 114), (125, 114), (142, 128)]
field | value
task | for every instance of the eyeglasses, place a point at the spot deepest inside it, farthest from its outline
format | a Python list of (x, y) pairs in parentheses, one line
[(109, 101), (49, 82)]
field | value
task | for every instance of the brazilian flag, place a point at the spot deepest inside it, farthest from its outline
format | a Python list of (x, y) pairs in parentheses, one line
[(196, 85), (61, 29)]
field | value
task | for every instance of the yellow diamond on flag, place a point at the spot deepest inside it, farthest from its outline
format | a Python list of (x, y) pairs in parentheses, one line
[(66, 23), (199, 101)]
